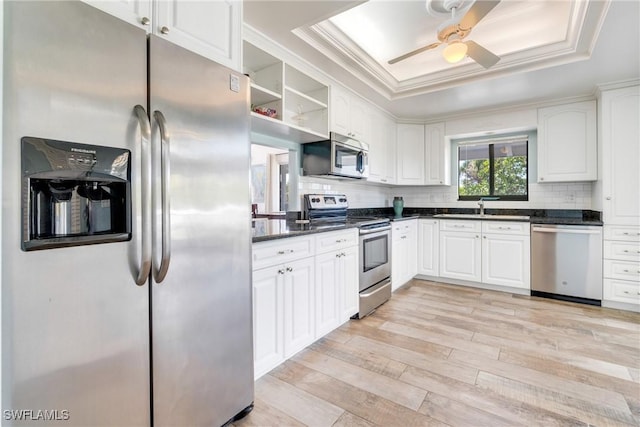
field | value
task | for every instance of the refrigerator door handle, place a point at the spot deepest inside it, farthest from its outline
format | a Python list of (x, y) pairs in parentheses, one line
[(161, 272), (145, 195)]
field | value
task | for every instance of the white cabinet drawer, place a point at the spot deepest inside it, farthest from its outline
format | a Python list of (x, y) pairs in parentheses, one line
[(622, 232), (453, 225), (331, 241), (498, 227), (283, 250), (623, 270), (626, 251), (403, 228), (622, 291)]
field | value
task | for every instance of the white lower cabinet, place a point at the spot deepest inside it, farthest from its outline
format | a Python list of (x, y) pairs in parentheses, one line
[(283, 312), (489, 252), (298, 305), (428, 247), (621, 268), (303, 288), (328, 290), (349, 263), (505, 260), (460, 255), (404, 252), (336, 288), (268, 319)]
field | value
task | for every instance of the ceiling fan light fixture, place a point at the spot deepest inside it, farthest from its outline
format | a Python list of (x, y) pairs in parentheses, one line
[(454, 52)]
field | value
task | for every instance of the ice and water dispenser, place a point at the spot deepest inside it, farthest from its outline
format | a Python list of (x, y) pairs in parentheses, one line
[(74, 194)]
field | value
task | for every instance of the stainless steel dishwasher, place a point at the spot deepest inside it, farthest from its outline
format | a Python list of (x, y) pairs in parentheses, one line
[(566, 262)]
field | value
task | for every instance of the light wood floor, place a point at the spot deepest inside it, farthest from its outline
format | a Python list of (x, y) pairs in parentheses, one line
[(439, 354)]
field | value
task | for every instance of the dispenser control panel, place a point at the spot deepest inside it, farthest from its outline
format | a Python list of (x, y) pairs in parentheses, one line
[(74, 194)]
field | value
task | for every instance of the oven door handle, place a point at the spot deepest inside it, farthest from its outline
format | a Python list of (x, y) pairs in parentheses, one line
[(375, 230)]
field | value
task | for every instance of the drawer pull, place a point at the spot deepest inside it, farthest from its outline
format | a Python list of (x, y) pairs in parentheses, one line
[(341, 240), (403, 237), (286, 251), (504, 228)]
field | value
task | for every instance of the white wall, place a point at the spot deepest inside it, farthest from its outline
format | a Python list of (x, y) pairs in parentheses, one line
[(571, 195), (361, 194)]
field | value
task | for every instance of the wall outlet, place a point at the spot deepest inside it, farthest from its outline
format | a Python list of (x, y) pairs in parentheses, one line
[(570, 198)]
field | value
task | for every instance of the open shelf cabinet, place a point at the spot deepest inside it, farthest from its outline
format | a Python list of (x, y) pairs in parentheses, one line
[(300, 101)]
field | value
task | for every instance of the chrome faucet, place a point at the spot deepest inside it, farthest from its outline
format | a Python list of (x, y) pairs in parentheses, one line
[(481, 203)]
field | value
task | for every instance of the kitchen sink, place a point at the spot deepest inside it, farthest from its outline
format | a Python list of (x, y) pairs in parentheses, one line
[(484, 216)]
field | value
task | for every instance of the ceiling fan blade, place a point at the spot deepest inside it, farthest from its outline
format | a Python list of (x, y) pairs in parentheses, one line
[(414, 52), (478, 11), (481, 55)]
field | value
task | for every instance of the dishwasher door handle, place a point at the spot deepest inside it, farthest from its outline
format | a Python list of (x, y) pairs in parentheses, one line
[(564, 230)]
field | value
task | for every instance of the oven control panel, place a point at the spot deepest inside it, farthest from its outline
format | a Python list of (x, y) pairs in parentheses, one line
[(326, 201)]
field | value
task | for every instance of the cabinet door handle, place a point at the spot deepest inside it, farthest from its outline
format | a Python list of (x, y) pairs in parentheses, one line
[(164, 30), (289, 269), (403, 237), (484, 237), (144, 20), (338, 255), (281, 271), (608, 197)]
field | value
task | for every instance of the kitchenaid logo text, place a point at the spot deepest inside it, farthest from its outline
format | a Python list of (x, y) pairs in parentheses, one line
[(82, 150), (36, 414)]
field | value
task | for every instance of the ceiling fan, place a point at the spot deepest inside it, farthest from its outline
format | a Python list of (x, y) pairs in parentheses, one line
[(453, 31)]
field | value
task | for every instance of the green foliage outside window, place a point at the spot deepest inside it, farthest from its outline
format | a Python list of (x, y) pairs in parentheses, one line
[(493, 170)]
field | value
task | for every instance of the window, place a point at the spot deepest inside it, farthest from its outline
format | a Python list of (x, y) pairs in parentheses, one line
[(493, 168)]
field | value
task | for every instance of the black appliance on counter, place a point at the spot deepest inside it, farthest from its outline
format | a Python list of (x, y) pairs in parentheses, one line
[(375, 247)]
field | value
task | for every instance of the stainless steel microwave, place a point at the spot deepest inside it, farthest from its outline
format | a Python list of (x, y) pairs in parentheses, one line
[(338, 157)]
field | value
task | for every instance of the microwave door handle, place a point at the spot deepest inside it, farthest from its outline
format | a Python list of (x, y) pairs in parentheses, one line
[(360, 162), (165, 163), (145, 195)]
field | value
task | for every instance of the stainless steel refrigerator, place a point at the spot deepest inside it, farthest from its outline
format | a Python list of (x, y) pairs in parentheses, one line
[(154, 327)]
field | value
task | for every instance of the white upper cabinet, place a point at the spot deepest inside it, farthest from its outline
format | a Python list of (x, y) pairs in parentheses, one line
[(410, 155), (438, 155), (620, 139), (209, 28), (350, 116), (136, 12), (567, 143), (382, 150)]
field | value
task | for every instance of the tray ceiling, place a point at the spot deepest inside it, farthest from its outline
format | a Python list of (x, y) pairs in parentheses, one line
[(551, 50), (526, 35)]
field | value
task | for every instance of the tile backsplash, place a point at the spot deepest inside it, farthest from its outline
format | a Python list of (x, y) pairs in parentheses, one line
[(570, 195)]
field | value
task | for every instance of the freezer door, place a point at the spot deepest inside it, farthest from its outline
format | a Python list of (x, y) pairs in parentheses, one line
[(201, 311), (74, 322)]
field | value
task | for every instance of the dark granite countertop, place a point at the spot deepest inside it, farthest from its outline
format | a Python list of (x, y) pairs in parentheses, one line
[(536, 216), (265, 229)]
